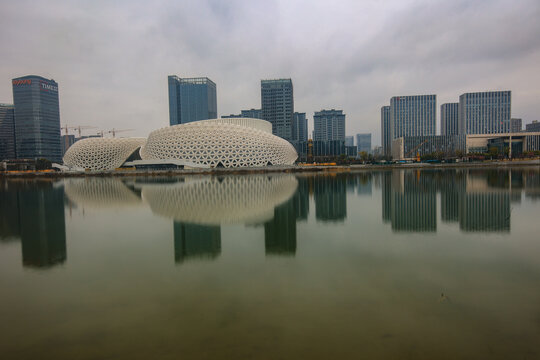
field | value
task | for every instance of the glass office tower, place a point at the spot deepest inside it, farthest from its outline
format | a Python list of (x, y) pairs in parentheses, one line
[(191, 99), (363, 142), (485, 112), (277, 106), (300, 127), (7, 132), (37, 118), (412, 115), (449, 119), (386, 139)]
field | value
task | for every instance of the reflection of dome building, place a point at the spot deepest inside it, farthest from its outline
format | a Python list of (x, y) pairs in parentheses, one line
[(101, 153), (100, 192), (232, 142), (230, 199)]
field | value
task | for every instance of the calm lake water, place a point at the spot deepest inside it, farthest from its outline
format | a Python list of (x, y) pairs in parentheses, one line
[(401, 264)]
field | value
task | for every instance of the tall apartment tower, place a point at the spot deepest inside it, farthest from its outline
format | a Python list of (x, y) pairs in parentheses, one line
[(386, 134), (329, 125), (191, 99), (449, 119), (37, 118), (299, 127), (485, 112), (7, 132), (413, 115), (277, 105)]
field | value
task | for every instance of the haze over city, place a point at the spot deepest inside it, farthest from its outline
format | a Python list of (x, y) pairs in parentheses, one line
[(112, 60)]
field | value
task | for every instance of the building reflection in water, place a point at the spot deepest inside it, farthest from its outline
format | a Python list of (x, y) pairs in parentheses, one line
[(330, 194), (34, 212), (478, 200), (193, 241)]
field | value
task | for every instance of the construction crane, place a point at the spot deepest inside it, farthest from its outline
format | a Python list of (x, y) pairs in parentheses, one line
[(79, 128), (114, 131)]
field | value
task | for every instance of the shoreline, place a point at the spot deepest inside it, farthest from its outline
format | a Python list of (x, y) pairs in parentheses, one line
[(271, 169)]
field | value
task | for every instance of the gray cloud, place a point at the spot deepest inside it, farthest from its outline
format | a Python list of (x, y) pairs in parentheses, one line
[(111, 59)]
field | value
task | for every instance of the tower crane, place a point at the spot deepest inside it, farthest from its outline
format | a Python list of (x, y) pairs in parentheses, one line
[(114, 131), (79, 128)]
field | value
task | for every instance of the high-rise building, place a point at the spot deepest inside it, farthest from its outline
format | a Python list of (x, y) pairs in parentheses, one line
[(412, 115), (449, 119), (191, 99), (329, 125), (363, 142), (533, 127), (299, 127), (516, 125), (37, 118), (67, 141), (277, 106), (485, 112), (7, 132), (349, 140), (386, 134)]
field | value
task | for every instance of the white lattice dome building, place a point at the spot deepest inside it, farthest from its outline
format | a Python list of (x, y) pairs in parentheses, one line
[(101, 153), (235, 142)]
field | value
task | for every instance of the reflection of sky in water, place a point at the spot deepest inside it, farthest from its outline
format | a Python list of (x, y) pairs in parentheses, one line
[(339, 265)]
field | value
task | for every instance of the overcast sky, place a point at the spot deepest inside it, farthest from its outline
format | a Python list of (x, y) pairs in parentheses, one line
[(111, 58)]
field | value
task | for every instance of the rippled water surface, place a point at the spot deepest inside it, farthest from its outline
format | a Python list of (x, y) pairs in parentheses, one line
[(401, 264)]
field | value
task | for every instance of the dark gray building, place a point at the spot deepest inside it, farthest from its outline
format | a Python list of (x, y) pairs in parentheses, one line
[(37, 118), (251, 113), (533, 127), (485, 112), (516, 125), (7, 132), (191, 99), (450, 119), (300, 130), (277, 105), (363, 142), (386, 135), (329, 125), (413, 115)]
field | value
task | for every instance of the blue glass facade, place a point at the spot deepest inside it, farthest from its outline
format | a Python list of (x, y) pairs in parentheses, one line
[(7, 132), (37, 118), (485, 112), (413, 115), (363, 142), (300, 127), (191, 99), (386, 134), (277, 106), (450, 119)]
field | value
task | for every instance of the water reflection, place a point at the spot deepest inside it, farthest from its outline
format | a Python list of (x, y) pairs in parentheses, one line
[(33, 211), (473, 200)]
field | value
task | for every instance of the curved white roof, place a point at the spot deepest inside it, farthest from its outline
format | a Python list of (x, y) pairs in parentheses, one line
[(101, 153), (232, 142), (258, 124)]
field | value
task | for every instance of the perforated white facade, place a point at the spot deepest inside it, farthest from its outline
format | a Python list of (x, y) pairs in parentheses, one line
[(227, 200), (101, 153), (235, 142)]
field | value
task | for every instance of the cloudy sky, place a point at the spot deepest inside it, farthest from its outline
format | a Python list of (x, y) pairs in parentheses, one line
[(111, 58)]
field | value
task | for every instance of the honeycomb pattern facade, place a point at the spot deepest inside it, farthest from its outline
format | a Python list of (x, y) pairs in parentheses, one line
[(236, 142), (227, 200), (101, 153)]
